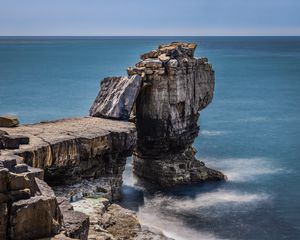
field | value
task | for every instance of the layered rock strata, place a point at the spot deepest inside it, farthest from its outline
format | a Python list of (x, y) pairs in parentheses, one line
[(29, 208), (72, 150), (176, 87)]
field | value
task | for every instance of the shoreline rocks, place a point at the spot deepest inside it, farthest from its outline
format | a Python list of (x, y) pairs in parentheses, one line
[(110, 221), (29, 207), (72, 150)]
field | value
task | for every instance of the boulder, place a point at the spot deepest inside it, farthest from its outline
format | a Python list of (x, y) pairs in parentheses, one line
[(116, 97), (9, 162), (20, 168), (76, 224), (14, 141), (9, 121), (29, 208), (34, 218)]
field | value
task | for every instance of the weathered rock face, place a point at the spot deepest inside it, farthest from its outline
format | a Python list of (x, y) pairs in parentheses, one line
[(71, 150), (29, 207), (112, 222), (116, 97), (177, 87), (13, 141), (76, 224)]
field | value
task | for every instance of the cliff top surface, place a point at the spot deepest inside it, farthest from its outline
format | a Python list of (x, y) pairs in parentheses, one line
[(70, 128)]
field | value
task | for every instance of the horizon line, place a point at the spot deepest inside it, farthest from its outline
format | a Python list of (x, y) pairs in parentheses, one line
[(149, 36)]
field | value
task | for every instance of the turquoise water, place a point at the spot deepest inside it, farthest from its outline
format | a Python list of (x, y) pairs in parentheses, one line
[(250, 131)]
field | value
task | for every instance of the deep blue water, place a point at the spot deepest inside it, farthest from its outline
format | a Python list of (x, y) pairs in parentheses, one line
[(251, 131)]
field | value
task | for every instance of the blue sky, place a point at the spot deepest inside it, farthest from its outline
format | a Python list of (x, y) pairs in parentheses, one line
[(149, 17)]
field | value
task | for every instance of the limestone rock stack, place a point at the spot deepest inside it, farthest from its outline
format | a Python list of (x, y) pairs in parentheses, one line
[(165, 91), (176, 87)]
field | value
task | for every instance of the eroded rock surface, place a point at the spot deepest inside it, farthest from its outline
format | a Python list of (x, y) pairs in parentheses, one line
[(116, 97), (177, 87), (71, 150), (29, 207), (112, 222)]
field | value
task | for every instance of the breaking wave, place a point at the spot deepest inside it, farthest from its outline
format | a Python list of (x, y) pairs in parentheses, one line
[(245, 169), (162, 211)]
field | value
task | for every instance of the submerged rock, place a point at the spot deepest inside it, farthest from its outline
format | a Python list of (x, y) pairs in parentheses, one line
[(167, 112), (116, 97)]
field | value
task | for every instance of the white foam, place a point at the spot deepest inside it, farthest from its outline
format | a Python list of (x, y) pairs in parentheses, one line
[(210, 199), (245, 169), (152, 213), (206, 199), (171, 226), (212, 133)]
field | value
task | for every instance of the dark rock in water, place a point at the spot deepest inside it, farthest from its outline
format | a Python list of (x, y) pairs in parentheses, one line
[(172, 169), (14, 141), (167, 111), (9, 121), (116, 97)]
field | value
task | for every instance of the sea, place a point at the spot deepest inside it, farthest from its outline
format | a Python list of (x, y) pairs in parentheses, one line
[(251, 130)]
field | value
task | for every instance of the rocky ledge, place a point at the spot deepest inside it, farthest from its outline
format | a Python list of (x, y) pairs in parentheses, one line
[(75, 151)]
